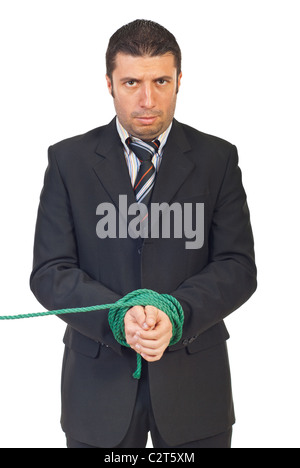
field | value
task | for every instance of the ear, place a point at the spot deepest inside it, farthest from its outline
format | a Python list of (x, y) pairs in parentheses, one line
[(109, 85), (179, 81)]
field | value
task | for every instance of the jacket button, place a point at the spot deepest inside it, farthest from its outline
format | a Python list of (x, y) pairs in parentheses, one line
[(185, 342)]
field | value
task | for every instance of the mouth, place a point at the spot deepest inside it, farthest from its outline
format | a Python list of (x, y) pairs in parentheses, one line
[(146, 120)]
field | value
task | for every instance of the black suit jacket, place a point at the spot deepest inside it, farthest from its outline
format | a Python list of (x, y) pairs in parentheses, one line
[(190, 386)]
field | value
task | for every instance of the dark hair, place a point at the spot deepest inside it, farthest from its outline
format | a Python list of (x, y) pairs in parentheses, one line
[(139, 38)]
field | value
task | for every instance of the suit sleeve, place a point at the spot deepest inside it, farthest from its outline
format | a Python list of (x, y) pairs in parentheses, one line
[(229, 279), (57, 280)]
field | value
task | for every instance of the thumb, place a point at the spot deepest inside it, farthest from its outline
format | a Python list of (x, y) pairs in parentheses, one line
[(151, 317)]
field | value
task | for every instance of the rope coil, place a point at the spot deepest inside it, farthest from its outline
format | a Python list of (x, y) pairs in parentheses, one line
[(117, 311)]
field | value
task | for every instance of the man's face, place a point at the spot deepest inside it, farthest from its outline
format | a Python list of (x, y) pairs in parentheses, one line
[(145, 93)]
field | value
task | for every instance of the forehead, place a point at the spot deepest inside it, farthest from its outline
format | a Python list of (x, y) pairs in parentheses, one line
[(130, 65)]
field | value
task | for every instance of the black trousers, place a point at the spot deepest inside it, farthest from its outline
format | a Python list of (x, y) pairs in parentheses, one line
[(143, 422)]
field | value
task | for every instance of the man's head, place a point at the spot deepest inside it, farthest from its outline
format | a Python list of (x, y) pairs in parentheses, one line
[(143, 62)]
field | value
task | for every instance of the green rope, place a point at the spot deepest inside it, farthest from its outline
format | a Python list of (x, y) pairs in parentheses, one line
[(118, 310)]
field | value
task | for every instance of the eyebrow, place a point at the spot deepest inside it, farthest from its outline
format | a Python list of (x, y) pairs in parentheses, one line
[(130, 78)]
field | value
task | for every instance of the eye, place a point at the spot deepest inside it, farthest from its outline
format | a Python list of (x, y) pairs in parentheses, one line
[(161, 82), (130, 83)]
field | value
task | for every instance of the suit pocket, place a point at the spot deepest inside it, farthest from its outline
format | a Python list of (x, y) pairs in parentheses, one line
[(80, 343), (212, 337)]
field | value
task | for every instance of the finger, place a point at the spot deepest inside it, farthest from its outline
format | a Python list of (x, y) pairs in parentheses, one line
[(159, 332), (150, 335), (150, 344), (151, 316), (135, 315), (131, 338), (149, 358), (152, 350)]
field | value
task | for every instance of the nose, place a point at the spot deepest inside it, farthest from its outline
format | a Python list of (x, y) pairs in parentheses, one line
[(147, 96)]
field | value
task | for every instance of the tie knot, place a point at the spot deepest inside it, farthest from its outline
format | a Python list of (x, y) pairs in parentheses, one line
[(144, 151)]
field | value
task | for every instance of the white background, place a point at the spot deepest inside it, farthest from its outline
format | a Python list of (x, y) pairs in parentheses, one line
[(240, 82)]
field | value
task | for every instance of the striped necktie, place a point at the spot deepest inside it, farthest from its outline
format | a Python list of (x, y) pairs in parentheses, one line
[(146, 176)]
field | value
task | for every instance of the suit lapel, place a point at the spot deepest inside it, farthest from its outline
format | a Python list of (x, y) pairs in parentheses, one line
[(111, 167), (175, 166)]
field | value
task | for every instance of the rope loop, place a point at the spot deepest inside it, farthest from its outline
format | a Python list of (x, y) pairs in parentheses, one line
[(145, 297)]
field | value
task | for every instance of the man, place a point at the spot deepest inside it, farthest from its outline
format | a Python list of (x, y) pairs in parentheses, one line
[(86, 256)]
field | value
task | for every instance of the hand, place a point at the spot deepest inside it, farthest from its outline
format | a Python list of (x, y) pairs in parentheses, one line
[(134, 321), (153, 337)]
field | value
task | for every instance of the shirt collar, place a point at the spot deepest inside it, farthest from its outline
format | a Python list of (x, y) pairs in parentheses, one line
[(124, 135)]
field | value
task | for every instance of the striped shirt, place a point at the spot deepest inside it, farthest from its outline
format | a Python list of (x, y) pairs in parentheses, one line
[(132, 161)]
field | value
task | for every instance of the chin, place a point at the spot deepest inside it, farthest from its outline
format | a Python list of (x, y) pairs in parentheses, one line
[(147, 132)]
